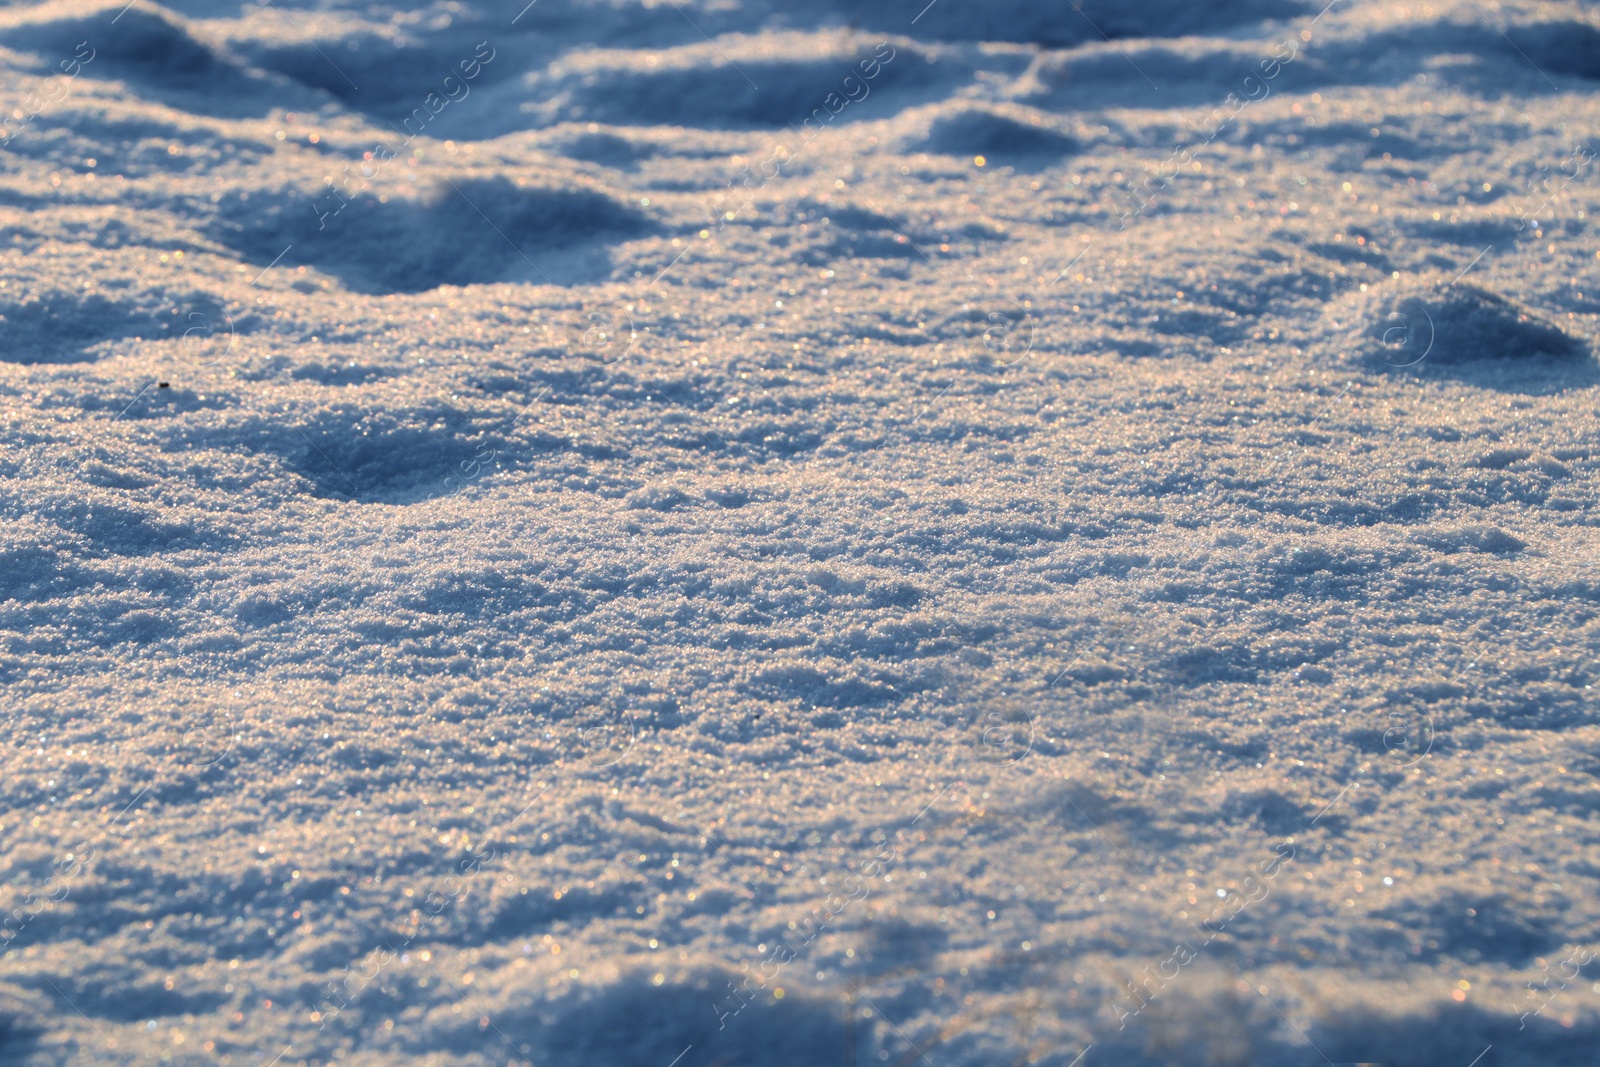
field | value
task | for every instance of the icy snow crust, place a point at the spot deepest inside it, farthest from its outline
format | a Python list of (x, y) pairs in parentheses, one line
[(607, 535)]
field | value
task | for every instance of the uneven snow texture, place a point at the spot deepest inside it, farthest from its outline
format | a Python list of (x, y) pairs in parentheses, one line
[(726, 533)]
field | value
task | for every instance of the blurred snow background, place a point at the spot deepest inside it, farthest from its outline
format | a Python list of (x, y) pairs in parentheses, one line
[(721, 533)]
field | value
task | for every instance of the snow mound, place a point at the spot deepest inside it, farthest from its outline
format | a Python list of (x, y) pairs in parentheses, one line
[(1062, 24), (460, 233), (60, 327), (754, 82), (1439, 321), (149, 49), (632, 1022), (603, 149), (1023, 140), (348, 453), (1565, 47)]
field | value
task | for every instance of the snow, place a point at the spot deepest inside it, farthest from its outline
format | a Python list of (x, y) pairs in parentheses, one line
[(730, 533)]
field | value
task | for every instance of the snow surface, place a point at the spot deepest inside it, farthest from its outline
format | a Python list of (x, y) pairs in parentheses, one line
[(724, 533)]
